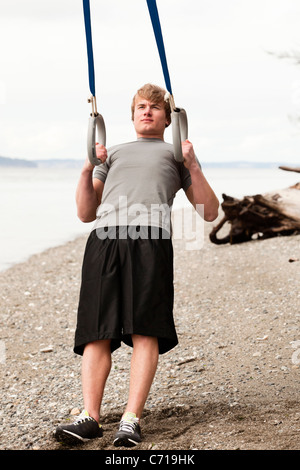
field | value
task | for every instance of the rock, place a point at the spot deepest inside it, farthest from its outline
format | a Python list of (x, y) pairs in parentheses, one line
[(47, 349)]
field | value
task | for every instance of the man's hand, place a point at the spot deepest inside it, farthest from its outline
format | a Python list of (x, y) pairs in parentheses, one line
[(101, 154), (188, 154)]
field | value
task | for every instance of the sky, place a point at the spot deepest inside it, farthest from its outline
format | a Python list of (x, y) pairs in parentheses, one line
[(241, 99)]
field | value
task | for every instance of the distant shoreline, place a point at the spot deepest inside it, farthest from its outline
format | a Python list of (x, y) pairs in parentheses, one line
[(7, 162)]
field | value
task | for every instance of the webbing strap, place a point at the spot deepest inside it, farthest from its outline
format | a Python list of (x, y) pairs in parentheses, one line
[(89, 44), (152, 7)]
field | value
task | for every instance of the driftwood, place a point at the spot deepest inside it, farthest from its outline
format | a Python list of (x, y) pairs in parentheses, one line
[(288, 168), (260, 216)]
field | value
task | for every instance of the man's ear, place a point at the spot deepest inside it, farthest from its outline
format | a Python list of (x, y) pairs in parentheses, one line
[(168, 123)]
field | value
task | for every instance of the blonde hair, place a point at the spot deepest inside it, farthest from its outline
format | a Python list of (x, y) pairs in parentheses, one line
[(155, 94)]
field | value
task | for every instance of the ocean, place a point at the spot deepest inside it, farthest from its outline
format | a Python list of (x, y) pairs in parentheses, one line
[(38, 211)]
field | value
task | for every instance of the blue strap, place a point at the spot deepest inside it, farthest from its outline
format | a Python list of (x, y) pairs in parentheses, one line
[(159, 41), (89, 44)]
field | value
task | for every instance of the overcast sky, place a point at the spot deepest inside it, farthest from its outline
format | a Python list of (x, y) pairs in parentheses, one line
[(238, 97)]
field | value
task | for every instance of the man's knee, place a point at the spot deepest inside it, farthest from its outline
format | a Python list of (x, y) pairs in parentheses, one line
[(144, 341), (97, 347)]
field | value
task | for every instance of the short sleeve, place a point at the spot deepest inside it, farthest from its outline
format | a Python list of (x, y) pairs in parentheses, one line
[(100, 171)]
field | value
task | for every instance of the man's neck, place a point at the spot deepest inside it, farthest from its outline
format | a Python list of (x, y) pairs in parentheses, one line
[(143, 136)]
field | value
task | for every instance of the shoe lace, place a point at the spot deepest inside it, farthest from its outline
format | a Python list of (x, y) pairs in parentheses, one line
[(82, 417), (128, 426)]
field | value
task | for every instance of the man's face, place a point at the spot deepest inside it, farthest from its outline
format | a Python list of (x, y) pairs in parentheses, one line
[(149, 118)]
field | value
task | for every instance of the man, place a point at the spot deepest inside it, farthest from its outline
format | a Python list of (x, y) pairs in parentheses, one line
[(127, 274)]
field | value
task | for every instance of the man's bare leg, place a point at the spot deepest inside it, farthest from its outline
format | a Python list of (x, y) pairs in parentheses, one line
[(96, 365), (143, 368)]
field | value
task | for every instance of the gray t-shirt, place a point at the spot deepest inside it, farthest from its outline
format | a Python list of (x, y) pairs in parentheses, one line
[(141, 180)]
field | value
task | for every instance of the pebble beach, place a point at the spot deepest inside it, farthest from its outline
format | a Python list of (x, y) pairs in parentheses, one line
[(231, 383)]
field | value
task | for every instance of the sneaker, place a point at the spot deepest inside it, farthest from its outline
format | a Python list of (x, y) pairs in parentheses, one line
[(129, 433), (83, 429)]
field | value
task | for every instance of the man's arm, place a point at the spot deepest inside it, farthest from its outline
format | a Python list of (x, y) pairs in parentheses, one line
[(89, 190), (200, 191)]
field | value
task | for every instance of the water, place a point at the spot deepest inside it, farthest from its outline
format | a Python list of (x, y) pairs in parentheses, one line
[(38, 211)]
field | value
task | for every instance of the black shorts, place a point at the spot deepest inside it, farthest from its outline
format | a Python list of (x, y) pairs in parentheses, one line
[(127, 288)]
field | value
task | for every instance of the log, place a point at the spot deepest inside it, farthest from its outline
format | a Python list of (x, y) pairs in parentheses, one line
[(260, 216), (289, 168)]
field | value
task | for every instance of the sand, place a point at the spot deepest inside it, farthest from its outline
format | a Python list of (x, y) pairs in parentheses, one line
[(231, 383)]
